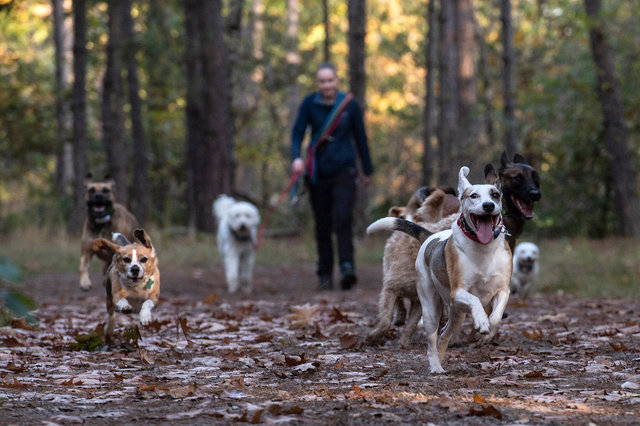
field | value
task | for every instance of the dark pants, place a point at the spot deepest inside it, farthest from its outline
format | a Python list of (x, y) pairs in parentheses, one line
[(332, 202)]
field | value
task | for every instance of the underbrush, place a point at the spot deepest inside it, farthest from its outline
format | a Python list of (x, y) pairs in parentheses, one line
[(606, 268)]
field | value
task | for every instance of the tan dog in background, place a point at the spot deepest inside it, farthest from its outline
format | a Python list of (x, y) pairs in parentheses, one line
[(436, 212), (132, 282), (104, 217)]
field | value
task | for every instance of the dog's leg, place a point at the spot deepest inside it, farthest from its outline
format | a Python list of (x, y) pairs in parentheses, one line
[(400, 312), (499, 303), (85, 281), (431, 310), (145, 312), (463, 299), (385, 315), (246, 270), (231, 265), (451, 328), (108, 328), (415, 313)]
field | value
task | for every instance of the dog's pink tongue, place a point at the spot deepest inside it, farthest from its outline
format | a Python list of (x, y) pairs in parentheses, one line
[(484, 230)]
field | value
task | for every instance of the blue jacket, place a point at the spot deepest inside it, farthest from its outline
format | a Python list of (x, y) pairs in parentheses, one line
[(337, 152)]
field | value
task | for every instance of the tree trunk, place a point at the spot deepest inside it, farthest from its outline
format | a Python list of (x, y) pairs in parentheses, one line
[(429, 104), (357, 16), (113, 127), (140, 201), (327, 42), (448, 89), (509, 80), (64, 163), (487, 92), (194, 107), (466, 79), (79, 107), (621, 176), (209, 117), (293, 60)]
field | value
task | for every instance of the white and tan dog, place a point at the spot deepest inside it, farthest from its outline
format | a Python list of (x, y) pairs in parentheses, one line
[(238, 223), (465, 269), (132, 282), (525, 269)]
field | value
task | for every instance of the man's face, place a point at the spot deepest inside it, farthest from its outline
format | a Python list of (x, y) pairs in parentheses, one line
[(327, 82)]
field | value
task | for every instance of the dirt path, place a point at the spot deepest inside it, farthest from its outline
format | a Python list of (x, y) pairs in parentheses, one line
[(557, 360)]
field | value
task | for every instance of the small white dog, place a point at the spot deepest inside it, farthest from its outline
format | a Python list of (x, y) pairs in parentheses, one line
[(525, 268), (238, 223)]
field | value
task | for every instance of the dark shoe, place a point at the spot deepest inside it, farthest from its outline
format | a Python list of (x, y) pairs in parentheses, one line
[(347, 276), (325, 283)]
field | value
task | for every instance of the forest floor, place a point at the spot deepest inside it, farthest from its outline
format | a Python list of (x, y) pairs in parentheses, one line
[(287, 353)]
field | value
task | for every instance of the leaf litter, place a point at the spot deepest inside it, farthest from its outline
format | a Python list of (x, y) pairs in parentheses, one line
[(286, 355)]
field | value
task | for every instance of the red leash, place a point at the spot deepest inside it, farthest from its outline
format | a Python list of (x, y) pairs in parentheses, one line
[(263, 227)]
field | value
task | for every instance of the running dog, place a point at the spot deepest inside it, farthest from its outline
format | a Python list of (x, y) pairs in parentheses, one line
[(437, 211), (525, 269), (464, 269), (104, 217), (132, 282), (520, 186), (238, 223)]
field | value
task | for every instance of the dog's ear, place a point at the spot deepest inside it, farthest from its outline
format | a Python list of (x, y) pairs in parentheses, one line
[(463, 183), (504, 160), (104, 249), (143, 237), (396, 211), (517, 158), (490, 174), (120, 239), (425, 191), (88, 178)]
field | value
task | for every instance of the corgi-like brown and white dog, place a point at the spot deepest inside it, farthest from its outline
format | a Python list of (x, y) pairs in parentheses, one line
[(132, 281), (464, 269)]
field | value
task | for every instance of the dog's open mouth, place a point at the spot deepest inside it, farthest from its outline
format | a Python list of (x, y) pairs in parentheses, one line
[(524, 207), (99, 209), (485, 226)]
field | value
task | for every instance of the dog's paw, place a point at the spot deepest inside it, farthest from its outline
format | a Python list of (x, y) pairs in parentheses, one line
[(436, 368), (145, 317), (85, 283), (124, 306), (481, 322)]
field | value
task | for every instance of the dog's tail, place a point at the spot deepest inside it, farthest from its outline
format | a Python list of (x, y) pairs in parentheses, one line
[(222, 204), (396, 224)]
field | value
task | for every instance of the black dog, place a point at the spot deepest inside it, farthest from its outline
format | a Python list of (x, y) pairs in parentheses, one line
[(520, 185)]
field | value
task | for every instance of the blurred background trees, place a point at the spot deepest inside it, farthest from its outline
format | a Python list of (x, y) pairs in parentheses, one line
[(183, 100)]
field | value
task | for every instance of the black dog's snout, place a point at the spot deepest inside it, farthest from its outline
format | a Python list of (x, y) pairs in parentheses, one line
[(488, 207), (135, 269), (535, 194)]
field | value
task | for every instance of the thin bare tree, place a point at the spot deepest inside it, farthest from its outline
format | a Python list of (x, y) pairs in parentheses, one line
[(621, 174), (429, 104), (508, 79), (448, 90), (79, 108)]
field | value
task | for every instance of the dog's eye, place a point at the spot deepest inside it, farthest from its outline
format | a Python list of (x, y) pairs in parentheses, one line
[(495, 195), (92, 190), (106, 190), (126, 259), (519, 178), (143, 259), (474, 196)]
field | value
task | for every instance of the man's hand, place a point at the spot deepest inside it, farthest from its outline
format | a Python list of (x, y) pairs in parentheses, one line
[(297, 166)]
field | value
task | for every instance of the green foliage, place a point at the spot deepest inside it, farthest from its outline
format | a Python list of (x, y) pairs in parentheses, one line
[(90, 342), (13, 302)]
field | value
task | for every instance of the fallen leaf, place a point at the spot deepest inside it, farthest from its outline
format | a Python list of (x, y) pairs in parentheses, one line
[(485, 410), (70, 382), (185, 328), (14, 384), (534, 375), (12, 366), (211, 299), (147, 388), (349, 340), (293, 410), (293, 361), (262, 338), (303, 315), (618, 347), (256, 417), (380, 375), (532, 334), (479, 399), (337, 316)]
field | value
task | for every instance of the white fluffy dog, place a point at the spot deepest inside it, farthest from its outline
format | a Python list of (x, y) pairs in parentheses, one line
[(237, 237), (525, 268)]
